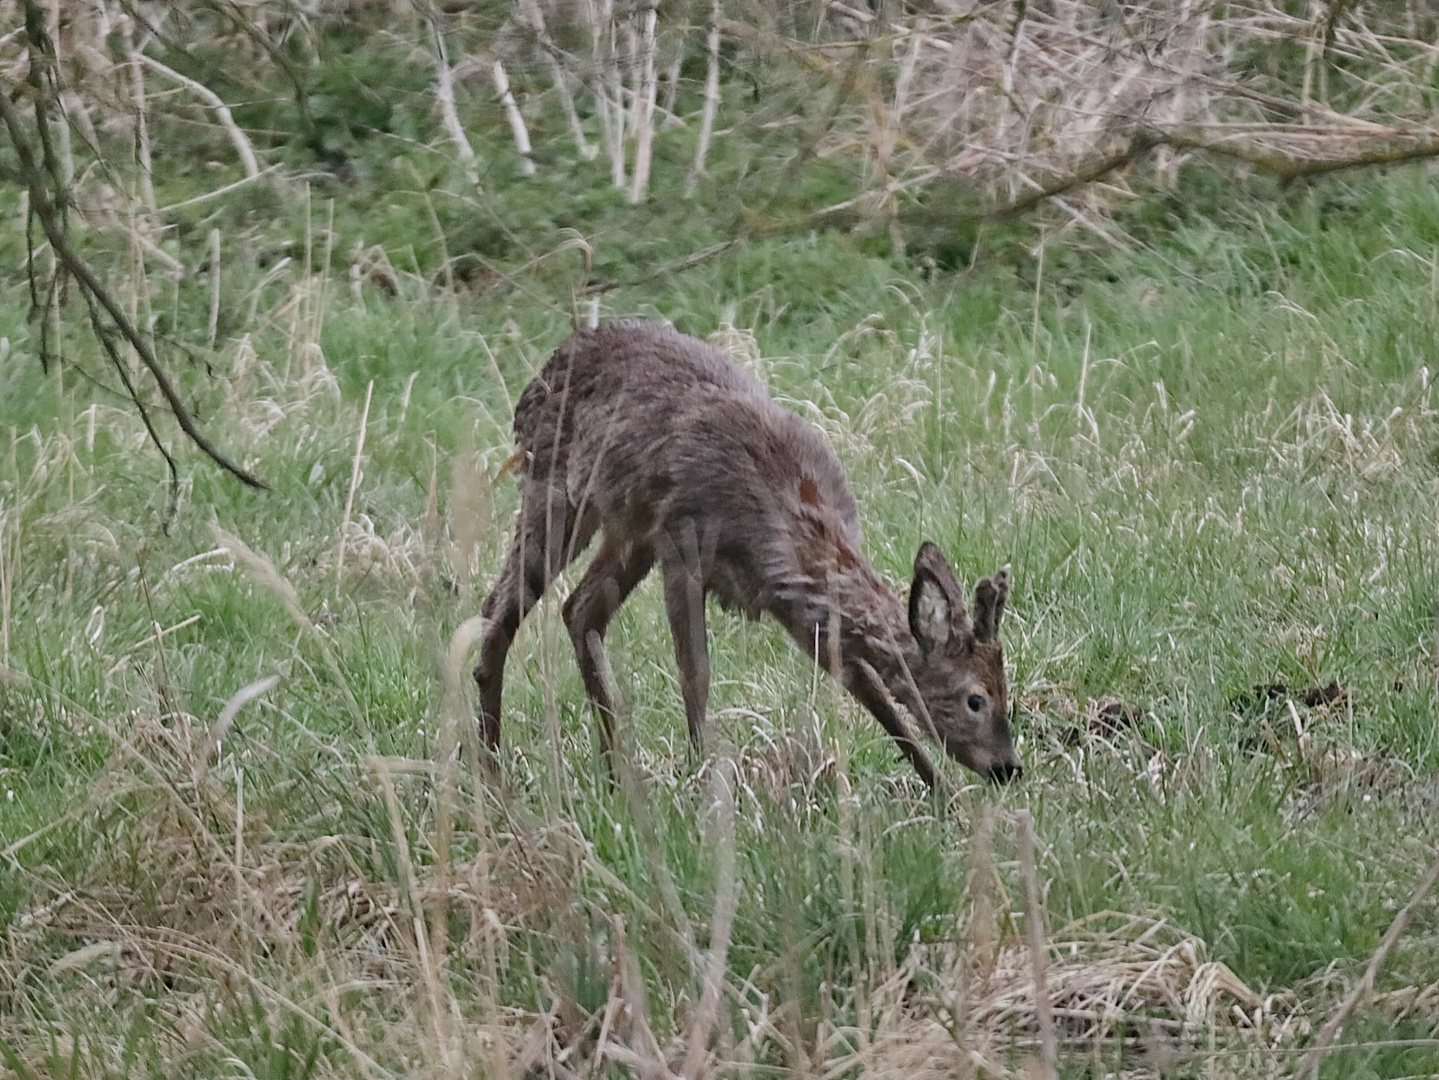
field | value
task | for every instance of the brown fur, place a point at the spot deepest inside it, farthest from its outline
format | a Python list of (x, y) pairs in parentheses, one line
[(675, 455)]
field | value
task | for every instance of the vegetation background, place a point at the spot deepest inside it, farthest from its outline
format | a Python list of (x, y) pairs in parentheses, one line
[(1138, 297)]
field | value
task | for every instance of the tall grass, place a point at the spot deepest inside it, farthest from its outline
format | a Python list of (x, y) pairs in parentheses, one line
[(1211, 464)]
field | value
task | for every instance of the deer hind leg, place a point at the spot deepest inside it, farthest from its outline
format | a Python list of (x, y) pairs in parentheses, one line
[(613, 574), (548, 534), (685, 604)]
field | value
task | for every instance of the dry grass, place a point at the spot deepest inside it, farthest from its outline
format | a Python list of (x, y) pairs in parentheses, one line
[(1117, 985), (1061, 100)]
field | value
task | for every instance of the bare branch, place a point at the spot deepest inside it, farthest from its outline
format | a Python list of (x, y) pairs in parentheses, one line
[(46, 203)]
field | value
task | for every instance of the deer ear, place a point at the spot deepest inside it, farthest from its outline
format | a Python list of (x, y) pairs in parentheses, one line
[(936, 605), (989, 600)]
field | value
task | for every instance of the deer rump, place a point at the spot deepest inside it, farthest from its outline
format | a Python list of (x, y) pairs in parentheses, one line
[(677, 456)]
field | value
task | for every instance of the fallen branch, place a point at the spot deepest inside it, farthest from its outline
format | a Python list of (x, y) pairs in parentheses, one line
[(1086, 174), (1391, 148)]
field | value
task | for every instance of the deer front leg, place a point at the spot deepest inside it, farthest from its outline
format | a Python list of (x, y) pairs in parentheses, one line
[(864, 683), (611, 577), (685, 605)]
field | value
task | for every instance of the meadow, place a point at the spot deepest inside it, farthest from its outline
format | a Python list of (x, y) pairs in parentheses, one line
[(239, 835)]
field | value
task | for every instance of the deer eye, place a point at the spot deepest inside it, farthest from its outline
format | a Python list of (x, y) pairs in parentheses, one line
[(975, 703)]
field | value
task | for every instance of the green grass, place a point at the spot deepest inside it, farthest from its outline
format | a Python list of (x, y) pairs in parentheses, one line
[(1212, 464)]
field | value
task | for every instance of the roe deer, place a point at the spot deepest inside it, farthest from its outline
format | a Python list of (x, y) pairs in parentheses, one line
[(675, 455)]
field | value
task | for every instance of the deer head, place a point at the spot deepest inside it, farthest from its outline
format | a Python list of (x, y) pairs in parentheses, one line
[(963, 700)]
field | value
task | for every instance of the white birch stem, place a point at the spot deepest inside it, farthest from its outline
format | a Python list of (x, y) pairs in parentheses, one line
[(632, 73), (645, 112), (712, 100), (517, 122), (531, 10), (222, 113), (672, 86), (609, 94), (445, 94)]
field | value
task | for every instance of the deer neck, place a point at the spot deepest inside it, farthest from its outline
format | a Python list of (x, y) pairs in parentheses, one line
[(872, 623)]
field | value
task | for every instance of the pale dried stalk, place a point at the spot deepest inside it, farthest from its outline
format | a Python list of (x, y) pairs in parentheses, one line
[(214, 322), (75, 109), (712, 100), (456, 716), (242, 894), (322, 293), (62, 130), (645, 111), (722, 785), (646, 1058), (468, 506), (139, 283), (259, 569), (239, 700), (983, 940), (142, 126), (354, 483), (1034, 923), (6, 580), (445, 95), (429, 963), (237, 136)]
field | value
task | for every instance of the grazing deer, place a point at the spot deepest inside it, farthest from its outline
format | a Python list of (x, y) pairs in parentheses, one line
[(675, 455)]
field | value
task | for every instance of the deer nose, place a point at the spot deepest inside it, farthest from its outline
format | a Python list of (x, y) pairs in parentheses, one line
[(1002, 772)]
